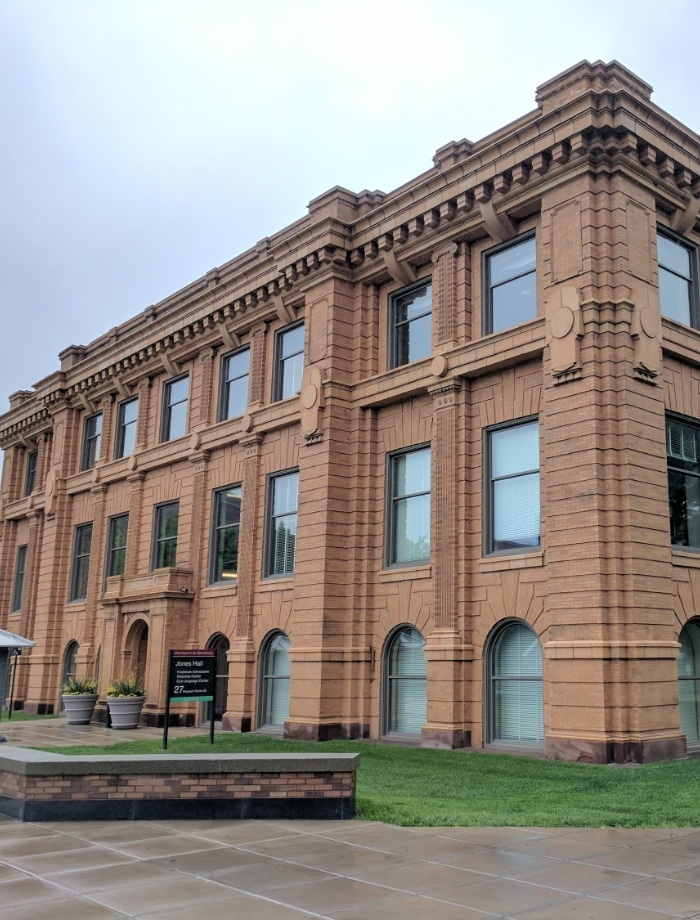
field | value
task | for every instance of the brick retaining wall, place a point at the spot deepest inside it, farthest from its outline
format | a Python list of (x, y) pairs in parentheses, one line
[(38, 786)]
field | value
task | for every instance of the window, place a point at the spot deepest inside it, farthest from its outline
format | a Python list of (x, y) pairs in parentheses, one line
[(411, 324), (234, 384), (290, 361), (274, 683), (515, 694), (175, 394), (405, 700), (92, 435), (165, 536), (510, 282), (683, 453), (127, 420), (80, 569), (513, 489), (18, 586), (409, 513), (689, 681), (116, 545), (225, 531), (283, 496), (30, 474), (677, 279)]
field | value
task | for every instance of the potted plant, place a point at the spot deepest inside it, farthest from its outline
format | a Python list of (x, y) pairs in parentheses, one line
[(125, 699), (79, 697)]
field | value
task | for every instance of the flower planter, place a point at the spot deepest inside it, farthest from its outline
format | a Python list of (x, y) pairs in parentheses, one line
[(79, 707), (125, 711)]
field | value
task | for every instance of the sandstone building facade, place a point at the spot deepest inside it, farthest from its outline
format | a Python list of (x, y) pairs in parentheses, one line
[(423, 465)]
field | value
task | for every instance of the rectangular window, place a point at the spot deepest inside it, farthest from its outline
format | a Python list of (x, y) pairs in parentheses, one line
[(409, 507), (283, 497), (225, 531), (683, 455), (127, 420), (513, 487), (410, 312), (115, 563), (175, 395), (92, 436), (234, 384), (510, 285), (165, 536), (289, 364), (18, 585), (677, 279), (80, 568), (30, 474)]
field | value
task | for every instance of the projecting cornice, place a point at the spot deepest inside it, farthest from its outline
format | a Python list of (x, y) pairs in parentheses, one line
[(593, 116)]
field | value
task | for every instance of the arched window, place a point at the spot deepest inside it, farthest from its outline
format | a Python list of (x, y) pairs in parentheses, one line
[(405, 694), (274, 682), (515, 696), (689, 681)]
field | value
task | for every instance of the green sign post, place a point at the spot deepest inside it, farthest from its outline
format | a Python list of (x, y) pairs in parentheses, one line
[(191, 679)]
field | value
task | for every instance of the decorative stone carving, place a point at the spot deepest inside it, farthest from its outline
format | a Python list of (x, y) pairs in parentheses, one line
[(312, 404), (645, 330), (564, 332)]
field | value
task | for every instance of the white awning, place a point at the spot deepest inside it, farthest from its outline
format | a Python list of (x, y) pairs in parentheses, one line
[(10, 640)]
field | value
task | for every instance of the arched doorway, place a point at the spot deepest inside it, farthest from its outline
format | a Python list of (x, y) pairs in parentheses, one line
[(136, 648), (405, 683), (68, 668), (273, 697), (689, 681), (514, 691), (220, 644)]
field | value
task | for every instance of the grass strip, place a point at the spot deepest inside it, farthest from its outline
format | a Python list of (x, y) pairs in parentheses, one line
[(414, 787)]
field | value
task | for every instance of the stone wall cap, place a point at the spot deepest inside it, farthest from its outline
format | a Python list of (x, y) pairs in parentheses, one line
[(29, 762)]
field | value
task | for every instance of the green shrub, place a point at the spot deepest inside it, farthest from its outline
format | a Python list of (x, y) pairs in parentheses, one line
[(126, 686), (74, 685)]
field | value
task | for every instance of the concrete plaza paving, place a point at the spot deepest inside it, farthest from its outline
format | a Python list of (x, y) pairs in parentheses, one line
[(345, 870)]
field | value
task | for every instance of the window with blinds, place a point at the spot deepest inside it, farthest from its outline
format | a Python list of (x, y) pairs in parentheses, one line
[(516, 702), (274, 704), (689, 681), (405, 683), (283, 497), (409, 507), (513, 514)]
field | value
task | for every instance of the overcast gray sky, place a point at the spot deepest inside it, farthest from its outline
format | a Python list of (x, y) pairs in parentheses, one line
[(146, 141)]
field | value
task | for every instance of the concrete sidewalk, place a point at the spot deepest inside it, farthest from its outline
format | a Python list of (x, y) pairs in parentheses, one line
[(345, 870)]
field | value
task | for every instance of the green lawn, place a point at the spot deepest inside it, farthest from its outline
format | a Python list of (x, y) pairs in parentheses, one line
[(414, 786), (19, 716)]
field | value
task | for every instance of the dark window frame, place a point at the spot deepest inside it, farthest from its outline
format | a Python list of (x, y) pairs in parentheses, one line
[(392, 502), (217, 535), (394, 323), (160, 542), (92, 441), (280, 360), (693, 424), (166, 433), (491, 680), (80, 563), (112, 550), (18, 579), (693, 280), (488, 288), (122, 425), (391, 683), (487, 487), (270, 525), (266, 683), (30, 471), (227, 382)]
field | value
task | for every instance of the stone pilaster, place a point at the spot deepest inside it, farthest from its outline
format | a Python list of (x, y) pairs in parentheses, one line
[(444, 295)]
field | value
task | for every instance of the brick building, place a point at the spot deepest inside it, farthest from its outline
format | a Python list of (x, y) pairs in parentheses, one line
[(408, 464)]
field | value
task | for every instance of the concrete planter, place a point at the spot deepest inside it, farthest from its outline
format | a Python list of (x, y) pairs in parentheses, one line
[(79, 707), (125, 711)]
